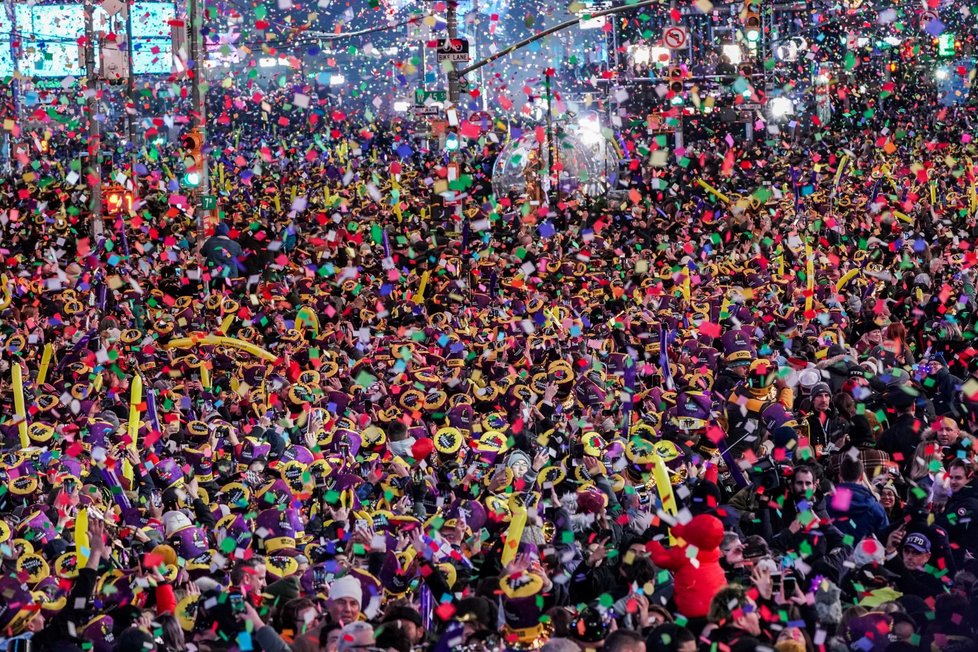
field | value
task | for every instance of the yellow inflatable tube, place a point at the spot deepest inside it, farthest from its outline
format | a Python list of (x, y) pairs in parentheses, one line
[(848, 276), (514, 534), (219, 340), (6, 292), (20, 413)]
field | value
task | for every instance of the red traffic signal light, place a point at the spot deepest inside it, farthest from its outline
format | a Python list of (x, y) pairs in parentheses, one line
[(675, 77)]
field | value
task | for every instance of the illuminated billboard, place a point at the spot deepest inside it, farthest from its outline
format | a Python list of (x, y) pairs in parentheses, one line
[(49, 36)]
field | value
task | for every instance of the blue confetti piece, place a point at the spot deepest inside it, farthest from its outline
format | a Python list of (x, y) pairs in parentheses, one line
[(244, 642), (935, 27)]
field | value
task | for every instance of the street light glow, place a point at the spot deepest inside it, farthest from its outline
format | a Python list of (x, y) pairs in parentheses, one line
[(733, 53), (781, 107), (590, 130)]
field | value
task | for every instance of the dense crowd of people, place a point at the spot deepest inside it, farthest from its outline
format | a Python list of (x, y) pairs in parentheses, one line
[(727, 415)]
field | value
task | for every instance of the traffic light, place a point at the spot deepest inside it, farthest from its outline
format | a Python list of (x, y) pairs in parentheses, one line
[(117, 200), (946, 46), (752, 20), (191, 144), (675, 78), (451, 141)]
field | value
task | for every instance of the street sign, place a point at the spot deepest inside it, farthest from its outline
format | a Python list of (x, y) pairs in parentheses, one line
[(926, 17), (675, 37), (421, 96), (477, 116), (455, 50), (748, 107), (425, 111), (208, 202)]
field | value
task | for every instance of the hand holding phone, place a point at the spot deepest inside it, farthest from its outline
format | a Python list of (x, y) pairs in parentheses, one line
[(896, 538), (789, 584)]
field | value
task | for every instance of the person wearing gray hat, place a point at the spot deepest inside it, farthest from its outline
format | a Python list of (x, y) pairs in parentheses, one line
[(825, 425)]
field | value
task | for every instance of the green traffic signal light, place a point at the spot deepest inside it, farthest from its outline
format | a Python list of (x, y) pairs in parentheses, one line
[(945, 45)]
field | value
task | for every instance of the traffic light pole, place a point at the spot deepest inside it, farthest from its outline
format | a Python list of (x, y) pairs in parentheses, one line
[(453, 76), (544, 33), (131, 104), (553, 163), (198, 117), (94, 139)]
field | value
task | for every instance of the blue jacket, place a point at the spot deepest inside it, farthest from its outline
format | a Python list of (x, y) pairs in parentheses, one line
[(862, 516), (224, 254)]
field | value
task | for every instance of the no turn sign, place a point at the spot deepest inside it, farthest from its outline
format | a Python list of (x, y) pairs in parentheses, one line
[(675, 37), (926, 17)]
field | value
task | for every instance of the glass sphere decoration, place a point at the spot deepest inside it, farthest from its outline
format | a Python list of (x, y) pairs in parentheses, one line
[(585, 163)]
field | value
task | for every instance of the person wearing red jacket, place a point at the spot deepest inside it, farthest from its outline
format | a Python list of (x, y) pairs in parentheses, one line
[(698, 577)]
